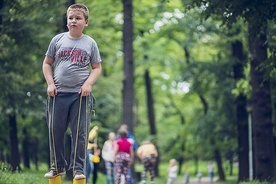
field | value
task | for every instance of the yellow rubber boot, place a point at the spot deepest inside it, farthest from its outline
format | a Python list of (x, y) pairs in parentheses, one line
[(81, 181), (55, 180)]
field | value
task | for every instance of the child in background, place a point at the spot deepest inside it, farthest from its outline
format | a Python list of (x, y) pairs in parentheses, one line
[(187, 176), (124, 156), (172, 172), (108, 156), (148, 154), (92, 143), (199, 176), (211, 171), (96, 158), (130, 137)]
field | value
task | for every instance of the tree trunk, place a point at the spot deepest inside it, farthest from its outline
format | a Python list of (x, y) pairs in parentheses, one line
[(36, 153), (231, 167), (242, 123), (262, 105), (243, 144), (128, 89), (1, 16), (219, 165), (63, 26), (183, 141), (196, 158), (181, 138), (15, 159), (25, 148), (150, 103), (151, 116), (182, 158)]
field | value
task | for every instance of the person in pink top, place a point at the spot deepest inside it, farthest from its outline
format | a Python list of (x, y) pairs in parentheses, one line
[(124, 156)]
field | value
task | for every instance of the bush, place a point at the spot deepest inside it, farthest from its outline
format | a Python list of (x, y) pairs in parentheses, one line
[(5, 167)]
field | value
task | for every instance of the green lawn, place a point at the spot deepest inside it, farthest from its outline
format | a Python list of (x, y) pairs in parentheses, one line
[(33, 176)]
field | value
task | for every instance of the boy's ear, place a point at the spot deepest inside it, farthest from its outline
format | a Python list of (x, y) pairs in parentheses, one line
[(86, 22)]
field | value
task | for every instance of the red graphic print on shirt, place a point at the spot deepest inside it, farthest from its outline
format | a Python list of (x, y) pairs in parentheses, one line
[(77, 56)]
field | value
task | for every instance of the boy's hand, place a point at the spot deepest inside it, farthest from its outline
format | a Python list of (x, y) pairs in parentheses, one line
[(85, 90), (51, 90)]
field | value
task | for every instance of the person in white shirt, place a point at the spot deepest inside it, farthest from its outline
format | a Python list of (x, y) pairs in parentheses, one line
[(108, 156)]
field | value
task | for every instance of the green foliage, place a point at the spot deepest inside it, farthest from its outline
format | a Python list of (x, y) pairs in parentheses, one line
[(205, 70), (23, 35), (231, 11)]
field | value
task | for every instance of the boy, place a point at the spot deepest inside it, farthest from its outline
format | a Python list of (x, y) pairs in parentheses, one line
[(69, 80)]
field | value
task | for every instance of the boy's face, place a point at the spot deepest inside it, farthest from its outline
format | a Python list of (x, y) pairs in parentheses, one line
[(76, 22)]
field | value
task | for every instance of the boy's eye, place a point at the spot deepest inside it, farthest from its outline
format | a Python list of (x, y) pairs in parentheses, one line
[(77, 18)]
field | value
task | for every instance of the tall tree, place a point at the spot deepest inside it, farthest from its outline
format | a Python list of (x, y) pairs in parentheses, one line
[(242, 124), (150, 103), (128, 82), (264, 156)]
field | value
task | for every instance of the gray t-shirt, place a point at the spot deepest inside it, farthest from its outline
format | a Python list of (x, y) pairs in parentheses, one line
[(72, 58)]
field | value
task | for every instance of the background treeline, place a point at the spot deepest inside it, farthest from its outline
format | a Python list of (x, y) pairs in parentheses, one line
[(197, 65)]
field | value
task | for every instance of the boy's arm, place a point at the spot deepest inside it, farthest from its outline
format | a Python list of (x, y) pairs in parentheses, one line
[(94, 75), (48, 74)]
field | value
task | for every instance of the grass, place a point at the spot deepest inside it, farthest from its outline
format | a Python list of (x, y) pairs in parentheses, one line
[(33, 176)]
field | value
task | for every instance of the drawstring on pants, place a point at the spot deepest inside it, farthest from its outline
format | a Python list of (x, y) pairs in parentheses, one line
[(77, 133), (51, 132)]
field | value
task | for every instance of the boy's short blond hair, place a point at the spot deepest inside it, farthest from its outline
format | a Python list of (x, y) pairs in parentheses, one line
[(79, 7)]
